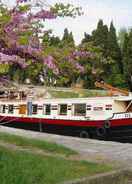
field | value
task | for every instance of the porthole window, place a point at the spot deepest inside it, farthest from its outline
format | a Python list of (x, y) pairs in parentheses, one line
[(10, 109), (63, 109), (79, 109)]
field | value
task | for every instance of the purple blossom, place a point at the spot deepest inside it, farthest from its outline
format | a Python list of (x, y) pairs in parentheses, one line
[(12, 59), (79, 67), (76, 55), (44, 14), (4, 80), (70, 59), (82, 54), (49, 62), (21, 1), (14, 53), (13, 27)]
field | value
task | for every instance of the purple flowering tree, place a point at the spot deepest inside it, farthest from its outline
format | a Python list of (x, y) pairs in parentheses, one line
[(21, 27)]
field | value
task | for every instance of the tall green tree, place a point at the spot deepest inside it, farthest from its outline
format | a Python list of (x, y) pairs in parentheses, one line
[(55, 41), (67, 39), (66, 34), (100, 36), (87, 38), (48, 39), (127, 59), (113, 49), (121, 37)]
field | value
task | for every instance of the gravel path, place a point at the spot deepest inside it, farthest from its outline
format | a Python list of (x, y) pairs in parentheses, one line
[(91, 150)]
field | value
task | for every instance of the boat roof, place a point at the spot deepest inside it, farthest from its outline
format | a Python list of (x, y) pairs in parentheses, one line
[(71, 100), (124, 98)]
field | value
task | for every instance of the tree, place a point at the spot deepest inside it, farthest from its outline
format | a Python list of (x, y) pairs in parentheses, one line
[(121, 37), (54, 41), (100, 36), (66, 35), (95, 65), (50, 40), (20, 29), (87, 38), (67, 39), (113, 48), (68, 59), (127, 58)]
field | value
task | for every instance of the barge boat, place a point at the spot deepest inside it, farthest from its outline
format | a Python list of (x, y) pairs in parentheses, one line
[(93, 116)]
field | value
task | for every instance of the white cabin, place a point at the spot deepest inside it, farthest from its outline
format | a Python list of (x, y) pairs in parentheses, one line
[(99, 108)]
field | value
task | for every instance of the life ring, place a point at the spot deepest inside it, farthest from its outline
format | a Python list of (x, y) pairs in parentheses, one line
[(84, 134), (107, 124), (101, 131)]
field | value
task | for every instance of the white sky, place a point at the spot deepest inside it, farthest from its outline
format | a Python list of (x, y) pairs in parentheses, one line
[(119, 11)]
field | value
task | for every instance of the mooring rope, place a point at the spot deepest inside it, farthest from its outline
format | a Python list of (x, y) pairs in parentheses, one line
[(8, 121), (2, 118)]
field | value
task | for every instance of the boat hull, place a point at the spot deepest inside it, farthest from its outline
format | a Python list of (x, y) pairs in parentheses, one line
[(117, 127), (63, 122)]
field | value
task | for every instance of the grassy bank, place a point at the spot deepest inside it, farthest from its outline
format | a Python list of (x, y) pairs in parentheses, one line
[(34, 143), (25, 168), (19, 166)]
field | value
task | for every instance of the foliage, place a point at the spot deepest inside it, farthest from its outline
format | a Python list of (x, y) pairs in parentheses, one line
[(114, 50), (87, 38), (100, 36), (108, 56), (27, 50), (127, 58), (20, 30), (67, 40), (95, 66), (121, 37)]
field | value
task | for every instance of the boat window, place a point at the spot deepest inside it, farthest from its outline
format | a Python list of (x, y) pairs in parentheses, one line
[(108, 107), (2, 109), (34, 108), (89, 107), (98, 108), (10, 109), (63, 109), (79, 109), (47, 109)]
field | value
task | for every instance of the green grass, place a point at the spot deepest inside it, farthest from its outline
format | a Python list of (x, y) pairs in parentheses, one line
[(33, 143), (63, 94), (92, 93), (19, 167), (81, 93)]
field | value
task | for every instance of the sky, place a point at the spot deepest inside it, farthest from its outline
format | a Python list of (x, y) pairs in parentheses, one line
[(118, 11)]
